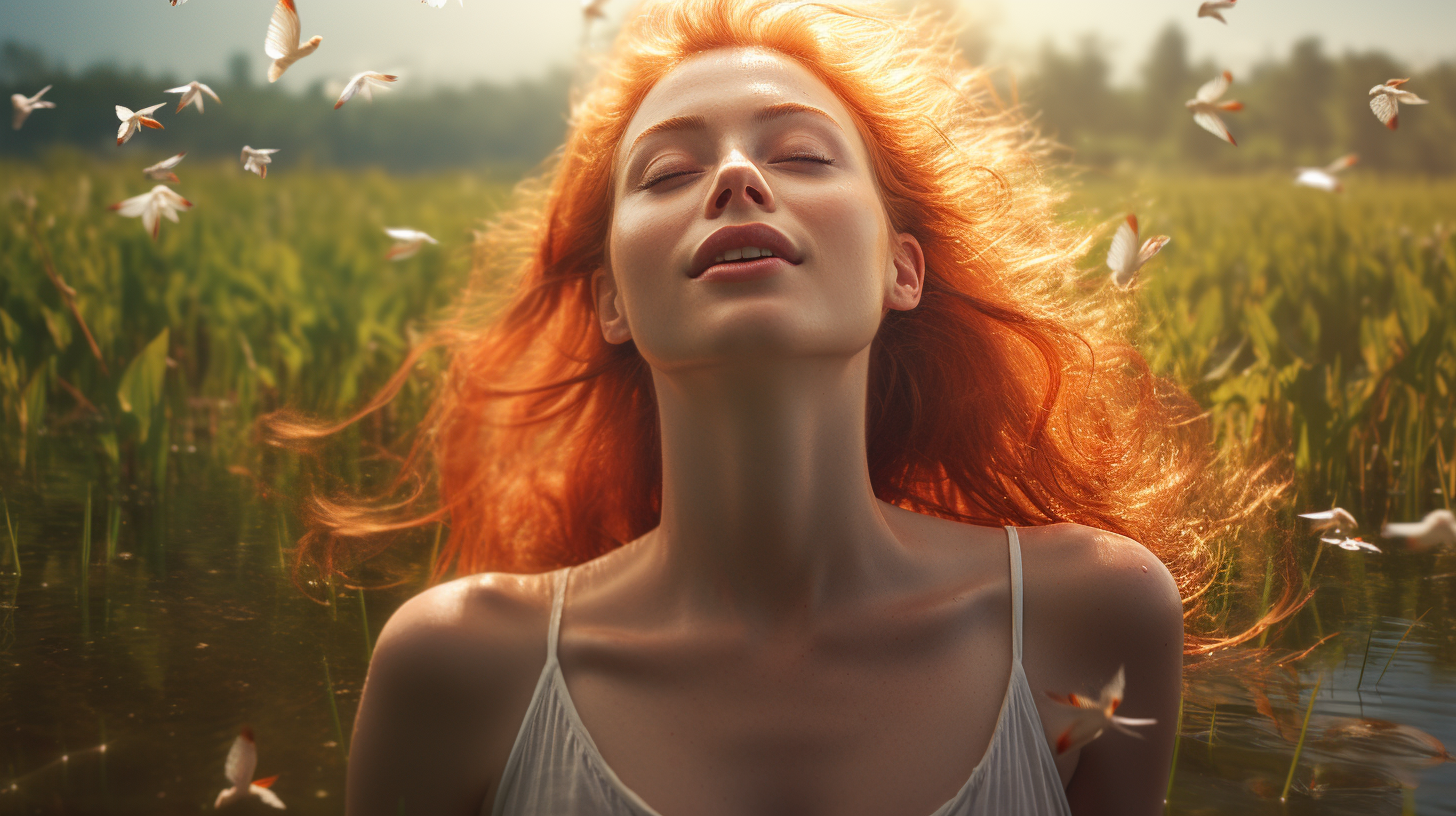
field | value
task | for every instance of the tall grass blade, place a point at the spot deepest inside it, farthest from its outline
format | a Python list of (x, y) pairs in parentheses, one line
[(14, 541), (1264, 599), (1366, 659), (364, 620), (334, 708), (113, 528), (1299, 747), (1177, 743), (1397, 644), (86, 543), (282, 534)]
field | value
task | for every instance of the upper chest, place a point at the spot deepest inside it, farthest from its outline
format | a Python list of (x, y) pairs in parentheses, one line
[(883, 716)]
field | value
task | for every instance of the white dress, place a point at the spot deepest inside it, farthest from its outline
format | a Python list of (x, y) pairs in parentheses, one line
[(554, 767)]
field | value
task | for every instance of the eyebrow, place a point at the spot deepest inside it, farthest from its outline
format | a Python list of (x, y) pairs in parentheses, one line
[(695, 122)]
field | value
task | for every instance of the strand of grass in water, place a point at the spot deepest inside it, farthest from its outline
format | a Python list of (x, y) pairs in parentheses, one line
[(1299, 748), (1397, 644), (86, 544), (1212, 724), (1264, 601), (1367, 655), (1441, 471), (364, 618), (1309, 579), (334, 707), (113, 528), (1177, 743), (14, 545), (282, 534)]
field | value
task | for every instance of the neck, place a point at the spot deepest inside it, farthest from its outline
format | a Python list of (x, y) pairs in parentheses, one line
[(767, 509)]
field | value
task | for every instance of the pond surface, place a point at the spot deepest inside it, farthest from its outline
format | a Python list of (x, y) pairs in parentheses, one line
[(161, 649)]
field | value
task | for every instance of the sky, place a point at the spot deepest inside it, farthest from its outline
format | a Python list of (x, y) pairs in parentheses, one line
[(506, 40)]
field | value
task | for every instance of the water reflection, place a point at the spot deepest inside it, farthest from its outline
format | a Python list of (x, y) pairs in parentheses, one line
[(187, 627)]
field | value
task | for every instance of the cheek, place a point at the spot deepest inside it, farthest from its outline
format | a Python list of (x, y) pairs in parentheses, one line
[(849, 226)]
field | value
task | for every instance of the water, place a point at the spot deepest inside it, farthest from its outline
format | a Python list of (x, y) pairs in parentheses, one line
[(194, 628)]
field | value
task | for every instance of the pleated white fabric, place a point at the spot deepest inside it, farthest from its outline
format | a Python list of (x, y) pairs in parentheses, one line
[(555, 768)]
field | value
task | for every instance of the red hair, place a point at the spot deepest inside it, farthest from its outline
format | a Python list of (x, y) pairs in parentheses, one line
[(1009, 395)]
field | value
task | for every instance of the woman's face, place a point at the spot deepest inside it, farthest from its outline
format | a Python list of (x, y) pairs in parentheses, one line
[(735, 137)]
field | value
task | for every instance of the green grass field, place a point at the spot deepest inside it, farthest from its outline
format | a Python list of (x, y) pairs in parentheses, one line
[(1322, 324)]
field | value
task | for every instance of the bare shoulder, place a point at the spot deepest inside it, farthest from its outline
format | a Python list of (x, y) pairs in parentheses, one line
[(1097, 602), (491, 610), (1101, 582), (450, 678)]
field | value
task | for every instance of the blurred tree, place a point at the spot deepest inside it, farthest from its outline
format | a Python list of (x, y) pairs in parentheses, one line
[(1073, 94), (20, 64), (1167, 81), (240, 70), (1299, 100)]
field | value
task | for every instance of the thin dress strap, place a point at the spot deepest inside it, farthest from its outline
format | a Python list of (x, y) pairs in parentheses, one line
[(1015, 546), (558, 599)]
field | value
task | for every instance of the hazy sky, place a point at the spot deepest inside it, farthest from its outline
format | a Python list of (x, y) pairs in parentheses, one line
[(508, 39)]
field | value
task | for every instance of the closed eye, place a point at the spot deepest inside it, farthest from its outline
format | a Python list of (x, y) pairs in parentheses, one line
[(809, 157), (806, 157), (662, 177)]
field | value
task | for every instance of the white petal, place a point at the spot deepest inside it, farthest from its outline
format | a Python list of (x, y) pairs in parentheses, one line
[(269, 797), (1214, 88), (283, 31), (1122, 256), (242, 760), (1384, 107), (1210, 121)]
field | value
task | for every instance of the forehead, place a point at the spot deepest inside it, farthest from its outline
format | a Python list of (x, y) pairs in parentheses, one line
[(729, 82)]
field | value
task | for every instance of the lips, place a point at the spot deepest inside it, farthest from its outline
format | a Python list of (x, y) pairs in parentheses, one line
[(745, 235)]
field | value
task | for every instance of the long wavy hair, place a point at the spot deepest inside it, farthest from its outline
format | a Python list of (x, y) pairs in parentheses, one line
[(1010, 395)]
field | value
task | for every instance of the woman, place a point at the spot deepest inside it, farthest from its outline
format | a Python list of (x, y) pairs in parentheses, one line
[(843, 517)]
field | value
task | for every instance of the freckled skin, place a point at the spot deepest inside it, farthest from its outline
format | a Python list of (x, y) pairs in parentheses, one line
[(784, 641)]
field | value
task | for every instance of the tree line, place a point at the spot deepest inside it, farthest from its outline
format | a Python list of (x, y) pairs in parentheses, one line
[(508, 127), (1305, 108)]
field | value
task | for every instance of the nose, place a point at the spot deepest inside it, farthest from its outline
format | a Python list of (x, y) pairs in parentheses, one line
[(739, 184)]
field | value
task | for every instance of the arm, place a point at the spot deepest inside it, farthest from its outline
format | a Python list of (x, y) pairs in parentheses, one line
[(1104, 600), (435, 720)]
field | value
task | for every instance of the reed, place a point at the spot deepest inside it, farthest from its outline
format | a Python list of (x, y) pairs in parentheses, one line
[(1397, 645), (14, 540), (113, 528), (334, 708), (1299, 746), (1177, 743), (1309, 578), (1264, 598), (282, 535), (1366, 658), (364, 622), (86, 544)]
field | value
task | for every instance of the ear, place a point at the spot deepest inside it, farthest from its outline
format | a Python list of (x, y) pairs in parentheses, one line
[(909, 264), (609, 307)]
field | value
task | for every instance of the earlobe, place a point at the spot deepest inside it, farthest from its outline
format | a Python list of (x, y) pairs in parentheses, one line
[(609, 315), (909, 263)]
